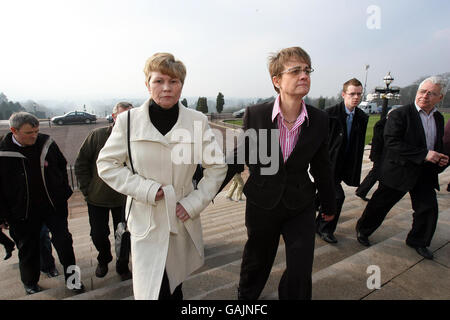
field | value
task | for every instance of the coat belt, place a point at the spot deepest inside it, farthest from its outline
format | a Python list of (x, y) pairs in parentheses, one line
[(171, 203)]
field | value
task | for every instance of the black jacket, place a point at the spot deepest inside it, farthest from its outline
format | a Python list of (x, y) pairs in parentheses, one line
[(406, 149), (14, 178), (290, 183), (376, 150), (346, 165)]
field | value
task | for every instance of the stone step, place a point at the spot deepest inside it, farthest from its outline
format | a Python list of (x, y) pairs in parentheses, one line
[(224, 237), (227, 277)]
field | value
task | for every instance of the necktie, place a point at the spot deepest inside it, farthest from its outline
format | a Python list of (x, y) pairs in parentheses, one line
[(349, 124)]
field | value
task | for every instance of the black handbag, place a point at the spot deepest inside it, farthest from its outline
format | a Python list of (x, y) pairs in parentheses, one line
[(122, 234)]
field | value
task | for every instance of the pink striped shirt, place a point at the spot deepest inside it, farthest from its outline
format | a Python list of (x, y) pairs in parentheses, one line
[(288, 138)]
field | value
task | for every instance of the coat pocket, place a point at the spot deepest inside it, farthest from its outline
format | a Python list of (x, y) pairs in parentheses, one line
[(139, 221)]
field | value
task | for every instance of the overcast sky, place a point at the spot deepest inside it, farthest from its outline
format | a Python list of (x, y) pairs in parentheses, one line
[(97, 49)]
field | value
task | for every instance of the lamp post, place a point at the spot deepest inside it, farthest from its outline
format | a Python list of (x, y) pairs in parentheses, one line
[(386, 93), (365, 82)]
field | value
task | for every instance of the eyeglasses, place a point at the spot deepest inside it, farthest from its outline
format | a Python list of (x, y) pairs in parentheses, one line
[(424, 92), (295, 71), (353, 94)]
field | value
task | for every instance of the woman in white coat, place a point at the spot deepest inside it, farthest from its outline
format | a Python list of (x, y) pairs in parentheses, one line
[(167, 141)]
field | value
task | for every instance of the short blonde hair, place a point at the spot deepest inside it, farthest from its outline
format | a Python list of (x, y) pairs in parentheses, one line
[(166, 64), (279, 59)]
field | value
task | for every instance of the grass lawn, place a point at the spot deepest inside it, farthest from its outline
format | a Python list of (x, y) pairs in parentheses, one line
[(374, 118), (369, 133)]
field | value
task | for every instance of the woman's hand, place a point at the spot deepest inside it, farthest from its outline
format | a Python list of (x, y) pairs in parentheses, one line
[(159, 194), (181, 213)]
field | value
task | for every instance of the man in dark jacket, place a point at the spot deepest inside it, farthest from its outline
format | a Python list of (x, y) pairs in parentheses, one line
[(414, 158), (34, 190), (101, 198), (347, 135), (376, 152)]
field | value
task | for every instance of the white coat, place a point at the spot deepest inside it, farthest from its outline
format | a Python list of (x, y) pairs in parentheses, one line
[(159, 240)]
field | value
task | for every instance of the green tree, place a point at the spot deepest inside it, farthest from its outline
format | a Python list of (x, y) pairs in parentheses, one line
[(321, 103), (220, 102), (7, 108), (202, 105), (184, 102)]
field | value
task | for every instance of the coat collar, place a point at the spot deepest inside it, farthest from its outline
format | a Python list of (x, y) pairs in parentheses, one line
[(143, 129)]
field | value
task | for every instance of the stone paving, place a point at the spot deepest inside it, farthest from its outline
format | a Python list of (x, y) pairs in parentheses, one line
[(340, 271)]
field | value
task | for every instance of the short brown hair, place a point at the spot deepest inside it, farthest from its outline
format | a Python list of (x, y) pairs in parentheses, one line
[(166, 64), (279, 59), (352, 82)]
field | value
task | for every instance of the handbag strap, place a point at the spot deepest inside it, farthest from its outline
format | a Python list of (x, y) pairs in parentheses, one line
[(131, 160), (128, 142)]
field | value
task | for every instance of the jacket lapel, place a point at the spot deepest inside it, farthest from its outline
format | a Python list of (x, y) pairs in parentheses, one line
[(418, 124), (439, 131), (273, 125)]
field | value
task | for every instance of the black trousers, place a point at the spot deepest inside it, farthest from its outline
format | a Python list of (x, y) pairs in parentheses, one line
[(45, 246), (26, 234), (370, 180), (264, 228), (164, 291), (329, 227), (6, 241), (99, 222), (425, 216)]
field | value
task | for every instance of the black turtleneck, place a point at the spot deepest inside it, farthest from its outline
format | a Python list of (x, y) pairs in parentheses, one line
[(163, 119)]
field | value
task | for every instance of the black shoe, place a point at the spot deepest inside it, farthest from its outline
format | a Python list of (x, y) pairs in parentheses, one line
[(79, 290), (126, 275), (102, 270), (32, 289), (364, 240), (424, 252), (8, 253), (362, 197), (52, 273), (328, 237)]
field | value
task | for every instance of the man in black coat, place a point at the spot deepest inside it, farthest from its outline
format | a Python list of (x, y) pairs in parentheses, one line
[(285, 137), (413, 141), (34, 190), (376, 153), (347, 135)]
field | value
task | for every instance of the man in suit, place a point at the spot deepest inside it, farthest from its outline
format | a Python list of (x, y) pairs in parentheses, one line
[(280, 194), (347, 135), (413, 141), (376, 155)]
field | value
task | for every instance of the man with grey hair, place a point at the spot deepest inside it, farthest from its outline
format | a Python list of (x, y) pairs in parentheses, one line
[(414, 157), (34, 190), (101, 198)]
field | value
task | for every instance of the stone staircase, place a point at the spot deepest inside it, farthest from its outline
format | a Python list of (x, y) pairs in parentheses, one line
[(339, 271)]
